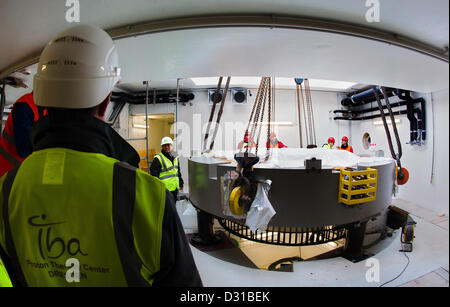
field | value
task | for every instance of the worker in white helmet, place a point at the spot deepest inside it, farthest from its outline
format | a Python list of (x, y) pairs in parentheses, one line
[(80, 196), (166, 167)]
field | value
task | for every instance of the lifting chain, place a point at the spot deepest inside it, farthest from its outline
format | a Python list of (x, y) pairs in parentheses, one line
[(269, 119), (299, 115), (257, 120), (219, 115), (211, 116), (310, 113), (255, 123), (304, 105), (266, 95)]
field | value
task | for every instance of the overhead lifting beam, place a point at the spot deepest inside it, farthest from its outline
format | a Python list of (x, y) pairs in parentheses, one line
[(264, 21)]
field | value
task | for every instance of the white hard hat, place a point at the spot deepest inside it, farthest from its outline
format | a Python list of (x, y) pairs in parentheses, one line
[(166, 140), (77, 69)]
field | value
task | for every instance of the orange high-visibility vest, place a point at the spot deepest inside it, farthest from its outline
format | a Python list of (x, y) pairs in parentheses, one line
[(9, 158), (349, 148)]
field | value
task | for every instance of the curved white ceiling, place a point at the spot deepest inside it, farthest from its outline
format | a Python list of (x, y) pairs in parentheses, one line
[(28, 25), (277, 52)]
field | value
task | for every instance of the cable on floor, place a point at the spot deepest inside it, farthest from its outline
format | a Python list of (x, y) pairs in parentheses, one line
[(404, 253)]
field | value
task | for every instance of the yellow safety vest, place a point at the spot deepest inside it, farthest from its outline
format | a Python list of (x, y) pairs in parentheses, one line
[(99, 215), (4, 277), (169, 172)]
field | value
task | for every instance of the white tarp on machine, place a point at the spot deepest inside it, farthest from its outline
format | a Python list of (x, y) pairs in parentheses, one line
[(295, 158)]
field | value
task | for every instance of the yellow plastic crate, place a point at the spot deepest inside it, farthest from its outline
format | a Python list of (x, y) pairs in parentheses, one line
[(357, 187)]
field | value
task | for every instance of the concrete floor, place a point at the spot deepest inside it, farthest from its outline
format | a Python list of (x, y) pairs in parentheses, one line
[(438, 277), (428, 262)]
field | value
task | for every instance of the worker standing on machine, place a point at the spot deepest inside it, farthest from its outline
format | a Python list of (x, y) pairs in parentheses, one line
[(330, 143), (15, 144), (77, 211), (167, 168), (274, 142), (344, 145)]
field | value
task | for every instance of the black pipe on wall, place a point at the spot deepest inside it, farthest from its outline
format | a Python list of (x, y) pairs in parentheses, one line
[(417, 125), (416, 115), (369, 117), (412, 123), (423, 119), (162, 97), (357, 112), (367, 96)]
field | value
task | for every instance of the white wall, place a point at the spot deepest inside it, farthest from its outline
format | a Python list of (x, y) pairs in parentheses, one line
[(418, 159), (440, 187), (235, 118)]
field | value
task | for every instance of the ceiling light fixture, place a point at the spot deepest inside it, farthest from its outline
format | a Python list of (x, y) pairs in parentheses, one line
[(139, 126), (280, 82)]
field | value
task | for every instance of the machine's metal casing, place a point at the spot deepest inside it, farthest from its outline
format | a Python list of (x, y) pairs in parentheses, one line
[(301, 198)]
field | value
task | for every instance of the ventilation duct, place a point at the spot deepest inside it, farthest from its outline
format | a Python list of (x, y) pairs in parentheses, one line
[(364, 97), (153, 97)]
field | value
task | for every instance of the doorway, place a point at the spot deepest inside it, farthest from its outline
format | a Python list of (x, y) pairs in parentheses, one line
[(159, 126)]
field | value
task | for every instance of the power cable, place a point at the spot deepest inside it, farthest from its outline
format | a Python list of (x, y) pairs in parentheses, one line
[(434, 149), (404, 253)]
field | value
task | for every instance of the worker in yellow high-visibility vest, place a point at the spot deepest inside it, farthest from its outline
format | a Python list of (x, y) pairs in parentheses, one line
[(77, 212), (166, 167)]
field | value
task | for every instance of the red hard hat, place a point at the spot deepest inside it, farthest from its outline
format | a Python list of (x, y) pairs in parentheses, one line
[(331, 140), (345, 138)]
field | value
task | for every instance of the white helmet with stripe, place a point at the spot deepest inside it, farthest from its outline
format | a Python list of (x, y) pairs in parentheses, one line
[(166, 140), (78, 69)]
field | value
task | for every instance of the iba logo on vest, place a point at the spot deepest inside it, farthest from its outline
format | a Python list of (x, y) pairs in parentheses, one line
[(53, 248)]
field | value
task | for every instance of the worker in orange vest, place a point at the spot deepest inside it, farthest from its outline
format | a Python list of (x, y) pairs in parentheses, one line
[(248, 141), (15, 143), (274, 142), (344, 145)]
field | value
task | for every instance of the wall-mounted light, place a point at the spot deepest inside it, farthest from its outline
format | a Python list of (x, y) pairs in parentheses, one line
[(388, 121), (153, 116)]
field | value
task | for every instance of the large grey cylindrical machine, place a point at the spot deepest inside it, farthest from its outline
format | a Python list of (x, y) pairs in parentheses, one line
[(306, 201)]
